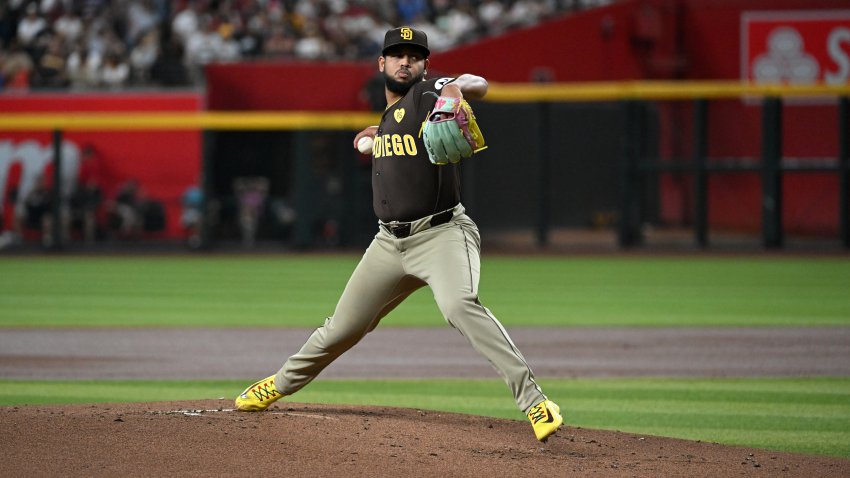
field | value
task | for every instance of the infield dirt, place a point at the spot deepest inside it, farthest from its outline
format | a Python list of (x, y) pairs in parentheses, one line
[(207, 439)]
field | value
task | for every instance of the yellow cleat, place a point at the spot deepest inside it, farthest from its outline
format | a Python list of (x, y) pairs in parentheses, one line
[(258, 396), (545, 418)]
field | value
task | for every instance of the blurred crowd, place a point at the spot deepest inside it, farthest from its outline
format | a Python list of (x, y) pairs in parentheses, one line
[(106, 44)]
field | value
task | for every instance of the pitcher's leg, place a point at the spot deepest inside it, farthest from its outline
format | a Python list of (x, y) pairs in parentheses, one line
[(487, 335), (377, 285), (450, 264)]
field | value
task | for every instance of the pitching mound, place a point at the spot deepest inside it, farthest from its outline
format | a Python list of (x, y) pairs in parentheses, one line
[(206, 439)]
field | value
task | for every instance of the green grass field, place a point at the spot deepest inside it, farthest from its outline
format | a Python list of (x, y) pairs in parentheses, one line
[(804, 415), (292, 291)]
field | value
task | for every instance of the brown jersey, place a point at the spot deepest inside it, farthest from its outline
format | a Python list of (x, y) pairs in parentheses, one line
[(405, 184)]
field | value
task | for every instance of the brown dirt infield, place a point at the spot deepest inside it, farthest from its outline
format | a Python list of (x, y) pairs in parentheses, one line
[(180, 439)]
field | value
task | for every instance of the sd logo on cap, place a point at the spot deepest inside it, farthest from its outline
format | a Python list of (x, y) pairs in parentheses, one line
[(406, 36)]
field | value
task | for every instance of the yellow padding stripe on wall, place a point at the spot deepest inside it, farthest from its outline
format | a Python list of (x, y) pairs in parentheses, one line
[(356, 120), (652, 90), (233, 120)]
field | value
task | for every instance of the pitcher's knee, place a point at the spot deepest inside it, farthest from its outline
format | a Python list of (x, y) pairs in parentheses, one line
[(458, 309), (339, 333)]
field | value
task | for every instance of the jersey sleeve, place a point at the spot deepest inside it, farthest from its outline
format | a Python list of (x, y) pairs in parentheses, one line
[(425, 102)]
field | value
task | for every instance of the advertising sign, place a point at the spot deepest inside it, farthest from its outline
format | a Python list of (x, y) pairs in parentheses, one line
[(796, 47)]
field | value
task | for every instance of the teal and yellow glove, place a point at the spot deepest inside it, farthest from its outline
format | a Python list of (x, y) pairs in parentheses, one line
[(451, 131)]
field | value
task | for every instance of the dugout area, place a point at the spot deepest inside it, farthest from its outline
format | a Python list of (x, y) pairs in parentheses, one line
[(319, 175)]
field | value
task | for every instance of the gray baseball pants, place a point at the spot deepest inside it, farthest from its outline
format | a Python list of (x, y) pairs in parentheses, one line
[(447, 259)]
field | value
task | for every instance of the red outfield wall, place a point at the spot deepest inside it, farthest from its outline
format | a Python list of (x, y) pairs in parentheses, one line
[(164, 162), (288, 86)]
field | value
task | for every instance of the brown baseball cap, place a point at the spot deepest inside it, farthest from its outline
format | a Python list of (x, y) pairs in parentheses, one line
[(406, 36)]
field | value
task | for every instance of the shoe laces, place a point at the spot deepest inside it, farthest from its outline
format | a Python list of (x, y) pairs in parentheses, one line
[(537, 413), (265, 391)]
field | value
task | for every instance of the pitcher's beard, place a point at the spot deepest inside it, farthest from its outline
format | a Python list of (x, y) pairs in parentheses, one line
[(401, 88)]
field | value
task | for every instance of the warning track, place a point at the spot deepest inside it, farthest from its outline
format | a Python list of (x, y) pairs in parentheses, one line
[(426, 353)]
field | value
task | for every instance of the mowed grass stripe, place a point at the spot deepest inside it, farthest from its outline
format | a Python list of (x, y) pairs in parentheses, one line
[(299, 291), (801, 415)]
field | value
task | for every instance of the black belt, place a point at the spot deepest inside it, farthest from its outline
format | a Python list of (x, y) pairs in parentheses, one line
[(402, 229)]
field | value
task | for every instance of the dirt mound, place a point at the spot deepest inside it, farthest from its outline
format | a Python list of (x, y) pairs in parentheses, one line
[(207, 439)]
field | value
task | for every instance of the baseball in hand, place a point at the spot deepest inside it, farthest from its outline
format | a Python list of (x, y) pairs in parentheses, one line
[(364, 145)]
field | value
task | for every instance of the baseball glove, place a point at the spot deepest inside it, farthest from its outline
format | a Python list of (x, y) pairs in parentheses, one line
[(451, 132)]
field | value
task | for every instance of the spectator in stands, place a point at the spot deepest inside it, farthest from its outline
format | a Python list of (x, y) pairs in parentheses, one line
[(104, 40), (525, 13), (51, 9), (115, 72), (16, 68), (258, 26), (31, 25), (51, 70), (38, 207), (187, 21), (83, 67), (142, 17), (375, 35), (226, 30), (410, 11), (251, 194), (88, 194), (69, 26), (437, 40), (125, 210), (192, 215), (91, 7), (312, 45), (491, 15), (143, 56), (202, 47), (169, 68), (279, 44), (459, 23)]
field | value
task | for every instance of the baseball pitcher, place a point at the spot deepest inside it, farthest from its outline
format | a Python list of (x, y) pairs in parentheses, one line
[(424, 236)]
